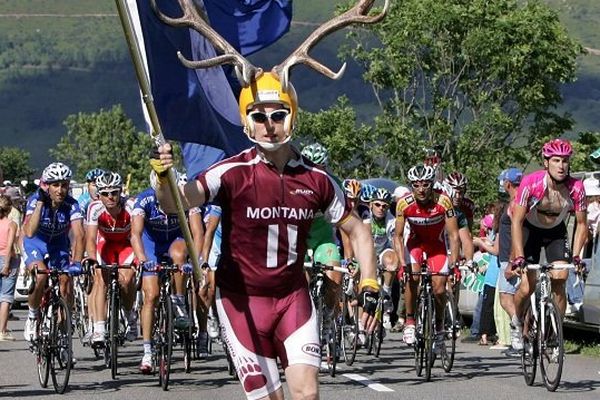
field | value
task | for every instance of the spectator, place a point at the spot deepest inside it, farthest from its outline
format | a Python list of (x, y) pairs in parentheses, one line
[(9, 264)]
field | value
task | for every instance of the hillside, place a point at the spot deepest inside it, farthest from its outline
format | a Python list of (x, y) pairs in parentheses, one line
[(60, 57)]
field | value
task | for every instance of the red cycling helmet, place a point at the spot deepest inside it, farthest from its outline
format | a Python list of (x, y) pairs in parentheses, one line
[(557, 147)]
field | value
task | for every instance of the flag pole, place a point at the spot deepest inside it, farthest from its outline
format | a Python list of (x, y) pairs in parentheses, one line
[(156, 131)]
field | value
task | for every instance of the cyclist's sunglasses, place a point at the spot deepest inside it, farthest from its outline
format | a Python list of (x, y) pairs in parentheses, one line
[(275, 116), (381, 205), (113, 193), (421, 185)]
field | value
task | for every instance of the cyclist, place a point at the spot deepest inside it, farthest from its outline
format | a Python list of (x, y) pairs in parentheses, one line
[(108, 229), (428, 212), (154, 235), (270, 195), (364, 201), (382, 224), (49, 216), (92, 191), (542, 204)]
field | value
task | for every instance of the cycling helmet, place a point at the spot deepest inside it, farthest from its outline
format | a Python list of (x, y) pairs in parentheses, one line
[(382, 194), (366, 192), (316, 153), (456, 180), (56, 172), (267, 89), (109, 180), (421, 173), (352, 188), (93, 174), (557, 147)]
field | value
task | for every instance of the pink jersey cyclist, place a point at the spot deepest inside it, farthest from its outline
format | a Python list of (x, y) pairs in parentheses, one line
[(112, 245), (532, 190)]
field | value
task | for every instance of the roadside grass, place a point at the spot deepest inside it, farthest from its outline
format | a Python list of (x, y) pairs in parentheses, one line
[(582, 342)]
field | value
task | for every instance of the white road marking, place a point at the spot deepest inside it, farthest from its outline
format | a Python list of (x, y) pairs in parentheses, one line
[(368, 383)]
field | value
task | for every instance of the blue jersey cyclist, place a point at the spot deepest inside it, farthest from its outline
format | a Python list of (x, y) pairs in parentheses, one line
[(154, 235), (50, 214)]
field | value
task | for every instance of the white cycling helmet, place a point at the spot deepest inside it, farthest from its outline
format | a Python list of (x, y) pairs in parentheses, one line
[(421, 173), (109, 180), (316, 153), (56, 172)]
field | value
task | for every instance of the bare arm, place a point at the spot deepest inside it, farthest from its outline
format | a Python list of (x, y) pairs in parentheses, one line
[(78, 239), (466, 243), (492, 248), (347, 243), (516, 230), (192, 193), (197, 230), (581, 232), (453, 236), (362, 244), (137, 228), (91, 235), (399, 239), (10, 241), (32, 222)]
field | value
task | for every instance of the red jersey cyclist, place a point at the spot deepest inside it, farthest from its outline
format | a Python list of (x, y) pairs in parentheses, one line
[(108, 230), (429, 213), (543, 202)]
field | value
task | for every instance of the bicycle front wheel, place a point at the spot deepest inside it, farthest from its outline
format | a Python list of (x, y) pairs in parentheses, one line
[(419, 338), (349, 330), (450, 319), (165, 345), (332, 346), (428, 336), (188, 335), (379, 333), (551, 346), (61, 342), (113, 327), (42, 350), (530, 347)]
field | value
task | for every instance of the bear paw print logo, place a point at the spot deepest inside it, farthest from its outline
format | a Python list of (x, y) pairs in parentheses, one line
[(251, 375)]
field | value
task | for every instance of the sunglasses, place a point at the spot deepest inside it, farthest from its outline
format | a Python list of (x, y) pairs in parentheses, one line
[(275, 116), (381, 205), (422, 185), (113, 193)]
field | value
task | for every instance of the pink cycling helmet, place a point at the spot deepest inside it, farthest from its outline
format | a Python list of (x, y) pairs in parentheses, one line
[(557, 147)]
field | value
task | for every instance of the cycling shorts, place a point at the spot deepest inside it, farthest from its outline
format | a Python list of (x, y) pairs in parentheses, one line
[(35, 250), (437, 255), (328, 254), (108, 252), (554, 241), (259, 329), (155, 252)]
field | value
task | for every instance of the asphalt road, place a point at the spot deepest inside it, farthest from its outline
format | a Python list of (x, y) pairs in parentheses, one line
[(479, 373)]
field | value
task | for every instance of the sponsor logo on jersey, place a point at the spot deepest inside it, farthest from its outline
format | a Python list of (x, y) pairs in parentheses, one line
[(450, 213), (436, 219), (279, 212), (312, 349), (305, 192)]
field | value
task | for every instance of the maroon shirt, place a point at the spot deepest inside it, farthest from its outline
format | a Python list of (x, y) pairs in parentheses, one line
[(266, 219)]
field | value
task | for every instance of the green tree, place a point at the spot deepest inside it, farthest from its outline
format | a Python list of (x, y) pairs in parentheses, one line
[(585, 145), (478, 78), (106, 139), (14, 164)]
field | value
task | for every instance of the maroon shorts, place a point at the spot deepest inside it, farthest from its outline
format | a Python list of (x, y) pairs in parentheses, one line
[(437, 254), (258, 329)]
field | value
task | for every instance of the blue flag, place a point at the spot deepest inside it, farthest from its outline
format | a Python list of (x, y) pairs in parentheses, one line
[(199, 107)]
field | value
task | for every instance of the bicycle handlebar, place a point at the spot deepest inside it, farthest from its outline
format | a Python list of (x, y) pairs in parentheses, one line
[(549, 266), (323, 267)]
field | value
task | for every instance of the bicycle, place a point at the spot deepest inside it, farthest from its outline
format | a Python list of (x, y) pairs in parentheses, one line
[(542, 331), (53, 346), (186, 336), (328, 339), (117, 326), (425, 331), (82, 286), (163, 322), (451, 324)]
